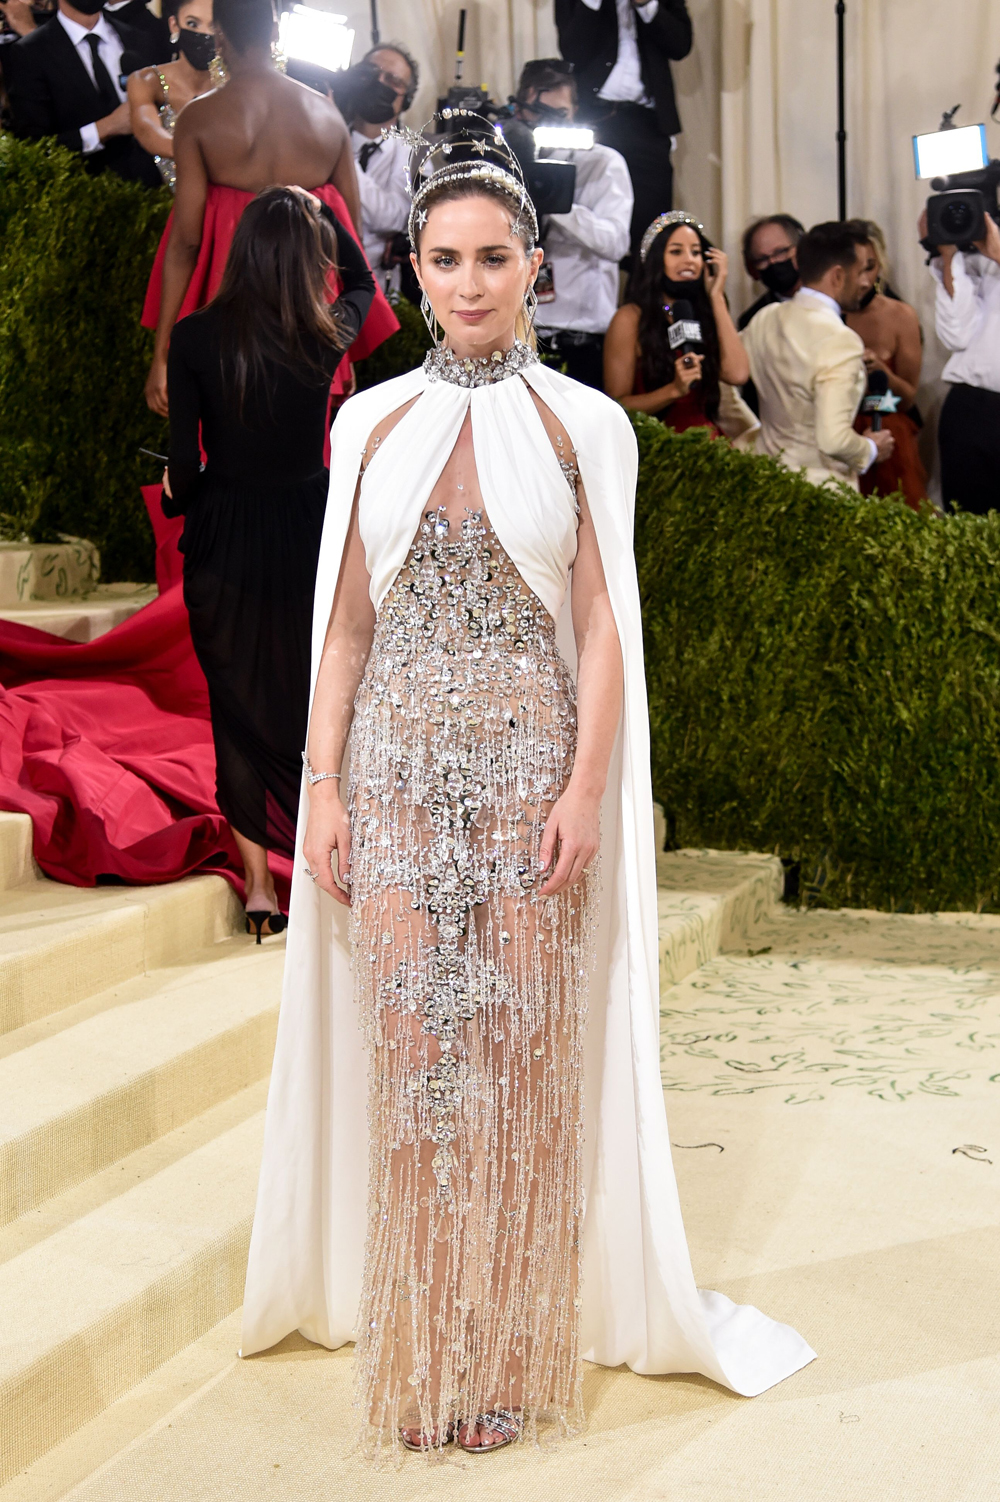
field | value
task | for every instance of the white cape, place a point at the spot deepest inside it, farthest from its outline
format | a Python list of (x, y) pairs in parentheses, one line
[(640, 1303)]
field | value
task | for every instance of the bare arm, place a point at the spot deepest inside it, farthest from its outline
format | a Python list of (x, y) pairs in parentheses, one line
[(572, 831), (907, 357), (620, 363), (734, 367), (342, 665), (143, 90), (345, 180), (182, 249)]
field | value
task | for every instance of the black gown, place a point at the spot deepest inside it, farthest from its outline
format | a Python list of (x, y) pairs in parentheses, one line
[(253, 521)]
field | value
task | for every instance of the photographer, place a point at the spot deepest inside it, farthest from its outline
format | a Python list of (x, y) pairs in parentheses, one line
[(387, 79), (967, 319), (578, 283)]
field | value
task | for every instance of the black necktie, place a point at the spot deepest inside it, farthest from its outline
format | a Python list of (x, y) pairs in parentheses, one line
[(102, 78), (366, 153)]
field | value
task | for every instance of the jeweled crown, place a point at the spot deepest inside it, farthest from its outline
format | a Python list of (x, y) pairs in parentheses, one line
[(465, 148)]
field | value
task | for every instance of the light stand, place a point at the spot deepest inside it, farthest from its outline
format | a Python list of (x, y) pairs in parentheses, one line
[(841, 113), (376, 34)]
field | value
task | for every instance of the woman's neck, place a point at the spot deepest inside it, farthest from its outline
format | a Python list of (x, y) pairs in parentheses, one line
[(462, 349)]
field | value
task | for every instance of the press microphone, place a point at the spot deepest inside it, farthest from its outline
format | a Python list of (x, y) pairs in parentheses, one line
[(878, 389), (684, 333)]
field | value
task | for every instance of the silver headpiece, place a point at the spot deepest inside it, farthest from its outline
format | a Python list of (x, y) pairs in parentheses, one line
[(665, 221), (472, 150)]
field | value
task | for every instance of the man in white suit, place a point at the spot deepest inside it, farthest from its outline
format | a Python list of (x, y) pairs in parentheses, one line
[(807, 364)]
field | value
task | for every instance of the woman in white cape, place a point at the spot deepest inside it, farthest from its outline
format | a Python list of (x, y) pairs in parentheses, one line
[(467, 1166)]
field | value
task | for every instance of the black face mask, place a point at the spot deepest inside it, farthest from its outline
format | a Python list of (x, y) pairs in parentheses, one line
[(682, 289), (375, 102), (89, 7), (780, 277), (868, 297), (198, 47)]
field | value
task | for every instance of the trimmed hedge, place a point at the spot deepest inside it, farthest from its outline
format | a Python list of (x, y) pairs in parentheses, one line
[(824, 676), (75, 253)]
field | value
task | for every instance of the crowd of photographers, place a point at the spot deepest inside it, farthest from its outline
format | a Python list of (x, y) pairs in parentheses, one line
[(821, 370)]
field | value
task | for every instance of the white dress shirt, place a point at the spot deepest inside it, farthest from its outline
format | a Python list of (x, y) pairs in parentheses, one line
[(969, 322), (834, 307), (585, 245), (623, 84), (110, 50), (385, 203)]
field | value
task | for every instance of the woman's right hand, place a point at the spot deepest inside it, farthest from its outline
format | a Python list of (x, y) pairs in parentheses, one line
[(328, 831)]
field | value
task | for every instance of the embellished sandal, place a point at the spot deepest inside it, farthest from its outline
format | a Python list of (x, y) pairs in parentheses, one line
[(502, 1421), (426, 1442)]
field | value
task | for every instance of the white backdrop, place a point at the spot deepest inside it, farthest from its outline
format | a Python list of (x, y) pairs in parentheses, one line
[(758, 104)]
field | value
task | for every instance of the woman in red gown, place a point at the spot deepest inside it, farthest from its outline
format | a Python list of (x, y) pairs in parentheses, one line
[(893, 344), (261, 130), (676, 263)]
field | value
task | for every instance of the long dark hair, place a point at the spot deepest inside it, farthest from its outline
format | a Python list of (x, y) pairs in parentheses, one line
[(649, 288), (274, 296)]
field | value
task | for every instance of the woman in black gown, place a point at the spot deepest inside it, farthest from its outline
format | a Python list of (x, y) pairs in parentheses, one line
[(252, 371)]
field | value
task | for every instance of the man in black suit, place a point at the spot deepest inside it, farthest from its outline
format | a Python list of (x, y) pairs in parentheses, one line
[(66, 79), (137, 14), (621, 51)]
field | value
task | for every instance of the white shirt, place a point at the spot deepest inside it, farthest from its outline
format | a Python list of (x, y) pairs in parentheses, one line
[(969, 322), (833, 305), (111, 56), (624, 83), (385, 203), (585, 245)]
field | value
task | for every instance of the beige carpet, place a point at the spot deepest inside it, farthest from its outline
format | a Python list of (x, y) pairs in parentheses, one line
[(838, 1071)]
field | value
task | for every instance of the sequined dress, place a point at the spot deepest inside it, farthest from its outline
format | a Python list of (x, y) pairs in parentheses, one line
[(472, 992)]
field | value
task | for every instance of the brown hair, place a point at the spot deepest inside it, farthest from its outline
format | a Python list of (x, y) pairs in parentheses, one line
[(793, 229), (274, 295)]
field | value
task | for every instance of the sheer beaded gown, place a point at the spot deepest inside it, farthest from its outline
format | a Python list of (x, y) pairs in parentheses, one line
[(472, 988)]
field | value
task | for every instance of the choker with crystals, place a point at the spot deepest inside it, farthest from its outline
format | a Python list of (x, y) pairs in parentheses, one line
[(478, 370)]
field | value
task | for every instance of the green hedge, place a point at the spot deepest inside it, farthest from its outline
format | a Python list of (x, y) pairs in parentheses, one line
[(824, 676), (75, 253)]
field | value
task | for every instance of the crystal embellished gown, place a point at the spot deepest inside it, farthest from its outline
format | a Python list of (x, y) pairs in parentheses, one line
[(466, 1164), (472, 993)]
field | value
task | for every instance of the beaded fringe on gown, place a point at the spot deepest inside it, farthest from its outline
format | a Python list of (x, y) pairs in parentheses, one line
[(472, 991)]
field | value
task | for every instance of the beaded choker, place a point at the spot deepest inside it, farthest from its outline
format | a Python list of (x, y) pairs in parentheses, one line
[(478, 370)]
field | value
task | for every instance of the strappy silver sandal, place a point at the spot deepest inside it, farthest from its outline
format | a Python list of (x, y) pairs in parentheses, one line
[(502, 1421), (425, 1443)]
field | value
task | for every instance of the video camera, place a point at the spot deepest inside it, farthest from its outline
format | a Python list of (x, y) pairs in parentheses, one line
[(964, 180)]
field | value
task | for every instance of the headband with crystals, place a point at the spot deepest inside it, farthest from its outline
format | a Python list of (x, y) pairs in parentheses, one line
[(671, 219), (485, 157)]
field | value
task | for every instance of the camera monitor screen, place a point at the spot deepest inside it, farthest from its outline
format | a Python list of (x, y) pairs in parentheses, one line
[(944, 152), (316, 36)]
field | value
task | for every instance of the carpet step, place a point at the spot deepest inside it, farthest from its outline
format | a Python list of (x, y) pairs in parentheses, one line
[(86, 617), (17, 865), (710, 901), (72, 1103), (94, 1308), (60, 944)]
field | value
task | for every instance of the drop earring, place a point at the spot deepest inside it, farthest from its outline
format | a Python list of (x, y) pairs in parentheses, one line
[(530, 307), (217, 69), (430, 319)]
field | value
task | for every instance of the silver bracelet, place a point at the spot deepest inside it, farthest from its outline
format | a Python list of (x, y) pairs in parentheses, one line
[(312, 776)]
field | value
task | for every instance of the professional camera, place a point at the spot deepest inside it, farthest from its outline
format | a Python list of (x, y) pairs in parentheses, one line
[(964, 180), (550, 185)]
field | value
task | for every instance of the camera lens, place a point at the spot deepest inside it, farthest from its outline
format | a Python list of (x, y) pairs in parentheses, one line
[(958, 219)]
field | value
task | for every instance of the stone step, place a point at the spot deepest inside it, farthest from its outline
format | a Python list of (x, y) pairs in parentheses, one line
[(83, 617), (710, 901), (61, 944), (72, 1103), (94, 1308)]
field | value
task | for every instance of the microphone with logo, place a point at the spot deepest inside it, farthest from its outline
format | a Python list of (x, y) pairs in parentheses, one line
[(684, 333), (874, 401)]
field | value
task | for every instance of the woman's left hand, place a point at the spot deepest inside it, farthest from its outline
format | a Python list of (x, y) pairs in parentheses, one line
[(716, 271), (873, 362), (570, 842), (165, 482)]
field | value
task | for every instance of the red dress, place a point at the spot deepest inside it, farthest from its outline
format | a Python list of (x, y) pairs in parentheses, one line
[(223, 207), (687, 412)]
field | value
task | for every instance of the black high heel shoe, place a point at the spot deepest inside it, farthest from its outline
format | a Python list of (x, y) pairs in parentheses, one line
[(259, 916)]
